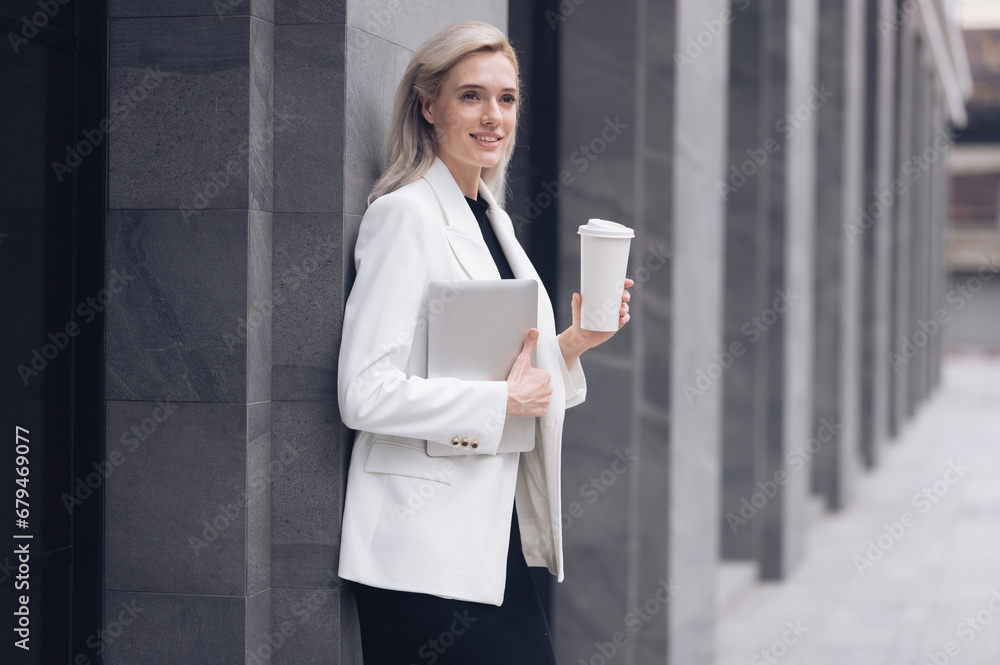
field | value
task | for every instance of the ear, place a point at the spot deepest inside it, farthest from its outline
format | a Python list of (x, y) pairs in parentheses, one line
[(426, 111)]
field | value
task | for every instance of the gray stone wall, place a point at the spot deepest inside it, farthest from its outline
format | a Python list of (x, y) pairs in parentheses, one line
[(237, 184), (188, 394)]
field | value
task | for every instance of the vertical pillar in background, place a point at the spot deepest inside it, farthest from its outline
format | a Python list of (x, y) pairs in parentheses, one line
[(788, 80), (614, 84), (927, 330), (879, 202), (752, 140), (837, 249), (188, 342), (309, 444), (930, 224), (901, 279), (915, 352), (938, 266), (861, 226), (851, 325), (628, 117), (699, 155)]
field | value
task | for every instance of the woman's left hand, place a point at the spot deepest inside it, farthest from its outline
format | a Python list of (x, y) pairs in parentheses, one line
[(575, 340)]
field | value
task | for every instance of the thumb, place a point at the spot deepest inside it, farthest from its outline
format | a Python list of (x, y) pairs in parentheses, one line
[(523, 360)]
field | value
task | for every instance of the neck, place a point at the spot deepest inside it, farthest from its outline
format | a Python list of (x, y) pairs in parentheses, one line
[(466, 175)]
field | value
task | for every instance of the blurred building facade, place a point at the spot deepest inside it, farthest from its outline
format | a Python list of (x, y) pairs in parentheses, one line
[(974, 214), (781, 161)]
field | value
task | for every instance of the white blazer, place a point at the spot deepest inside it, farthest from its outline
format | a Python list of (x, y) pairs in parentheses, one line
[(439, 525)]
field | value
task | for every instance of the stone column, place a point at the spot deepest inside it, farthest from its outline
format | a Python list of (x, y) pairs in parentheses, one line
[(337, 66), (900, 328), (238, 176), (792, 96), (770, 211), (746, 272), (699, 155), (188, 338), (837, 249), (308, 282), (939, 268), (642, 134), (917, 338), (874, 224)]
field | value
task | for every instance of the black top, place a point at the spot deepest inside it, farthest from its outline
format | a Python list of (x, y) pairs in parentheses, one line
[(479, 208)]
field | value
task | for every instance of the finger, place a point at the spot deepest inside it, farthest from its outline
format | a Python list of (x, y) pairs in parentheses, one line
[(530, 342), (523, 360), (629, 282), (626, 296)]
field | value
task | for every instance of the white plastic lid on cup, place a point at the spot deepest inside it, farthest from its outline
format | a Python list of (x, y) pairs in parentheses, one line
[(602, 228)]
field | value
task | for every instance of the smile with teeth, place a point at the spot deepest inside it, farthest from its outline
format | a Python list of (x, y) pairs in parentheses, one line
[(487, 139)]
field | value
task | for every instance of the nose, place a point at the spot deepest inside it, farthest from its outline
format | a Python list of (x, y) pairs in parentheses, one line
[(491, 113)]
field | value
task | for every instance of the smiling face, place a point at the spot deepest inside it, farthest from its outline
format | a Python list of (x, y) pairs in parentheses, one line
[(474, 117)]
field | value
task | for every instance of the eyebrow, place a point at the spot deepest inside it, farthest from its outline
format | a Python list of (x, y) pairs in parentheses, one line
[(476, 86)]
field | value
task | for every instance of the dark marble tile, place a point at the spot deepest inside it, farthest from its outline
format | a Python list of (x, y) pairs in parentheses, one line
[(56, 15), (306, 488), (409, 23), (309, 11), (352, 224), (22, 269), (350, 630), (220, 9), (656, 549), (26, 72), (312, 618), (309, 305), (258, 497), (262, 640), (591, 604), (177, 329), (180, 104), (371, 87), (162, 629), (176, 500), (309, 118), (303, 565), (653, 326), (262, 125), (260, 307)]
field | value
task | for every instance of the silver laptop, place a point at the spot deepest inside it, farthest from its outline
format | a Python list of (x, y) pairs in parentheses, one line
[(475, 331)]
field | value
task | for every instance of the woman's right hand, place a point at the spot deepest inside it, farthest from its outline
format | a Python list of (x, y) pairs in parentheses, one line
[(528, 388)]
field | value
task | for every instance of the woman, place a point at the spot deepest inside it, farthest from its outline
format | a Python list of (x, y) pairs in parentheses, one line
[(439, 546)]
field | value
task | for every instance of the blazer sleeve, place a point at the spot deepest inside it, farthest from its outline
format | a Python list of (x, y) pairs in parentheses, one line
[(574, 381), (381, 317)]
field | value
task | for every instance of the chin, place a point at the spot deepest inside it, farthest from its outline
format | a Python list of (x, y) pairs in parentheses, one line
[(489, 161)]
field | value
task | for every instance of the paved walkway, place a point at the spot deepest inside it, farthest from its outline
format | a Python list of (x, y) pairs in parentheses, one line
[(909, 573)]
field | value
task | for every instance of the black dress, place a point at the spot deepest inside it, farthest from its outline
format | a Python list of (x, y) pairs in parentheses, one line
[(404, 628)]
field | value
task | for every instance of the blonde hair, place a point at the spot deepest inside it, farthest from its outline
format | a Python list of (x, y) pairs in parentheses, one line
[(410, 145)]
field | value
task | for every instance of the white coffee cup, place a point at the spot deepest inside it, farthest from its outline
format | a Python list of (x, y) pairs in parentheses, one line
[(604, 249)]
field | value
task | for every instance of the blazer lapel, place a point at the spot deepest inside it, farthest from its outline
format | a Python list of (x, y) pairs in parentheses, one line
[(519, 262), (518, 259), (462, 229)]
